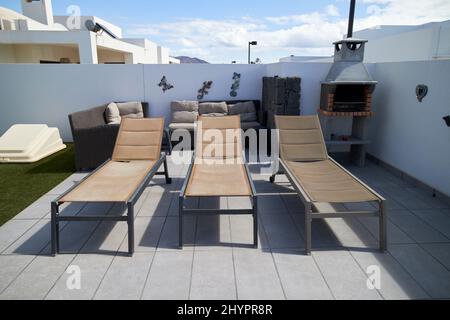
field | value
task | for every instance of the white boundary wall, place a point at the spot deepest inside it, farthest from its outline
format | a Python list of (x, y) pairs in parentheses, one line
[(405, 133)]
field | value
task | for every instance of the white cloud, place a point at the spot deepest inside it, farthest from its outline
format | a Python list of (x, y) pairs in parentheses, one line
[(314, 17), (306, 34), (403, 12), (332, 10)]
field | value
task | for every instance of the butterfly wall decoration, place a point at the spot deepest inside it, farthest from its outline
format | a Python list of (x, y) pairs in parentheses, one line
[(164, 85)]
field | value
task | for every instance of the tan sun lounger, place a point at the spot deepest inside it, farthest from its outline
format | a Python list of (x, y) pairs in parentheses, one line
[(218, 169), (317, 177), (135, 160)]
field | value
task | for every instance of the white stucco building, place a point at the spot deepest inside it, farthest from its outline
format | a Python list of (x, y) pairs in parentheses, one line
[(390, 43), (37, 36), (430, 41)]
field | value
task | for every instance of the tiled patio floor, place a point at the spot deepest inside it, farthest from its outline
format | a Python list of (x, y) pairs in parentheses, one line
[(218, 262)]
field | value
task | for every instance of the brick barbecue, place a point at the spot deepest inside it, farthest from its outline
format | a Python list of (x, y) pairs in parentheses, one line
[(348, 87)]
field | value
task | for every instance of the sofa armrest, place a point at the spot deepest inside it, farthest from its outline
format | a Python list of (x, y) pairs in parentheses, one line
[(94, 145), (262, 117), (89, 118)]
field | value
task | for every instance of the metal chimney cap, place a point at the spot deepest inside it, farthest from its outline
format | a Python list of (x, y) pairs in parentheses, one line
[(351, 40)]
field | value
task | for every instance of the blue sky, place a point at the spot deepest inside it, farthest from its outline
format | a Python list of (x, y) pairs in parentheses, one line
[(218, 30)]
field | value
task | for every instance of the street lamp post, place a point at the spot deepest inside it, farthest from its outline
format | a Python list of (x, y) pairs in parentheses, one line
[(251, 43)]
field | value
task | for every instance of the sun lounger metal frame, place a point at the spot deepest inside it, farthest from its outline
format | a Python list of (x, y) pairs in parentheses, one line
[(311, 211), (183, 210), (56, 218)]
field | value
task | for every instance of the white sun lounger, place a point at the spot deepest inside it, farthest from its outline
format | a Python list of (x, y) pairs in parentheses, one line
[(29, 143)]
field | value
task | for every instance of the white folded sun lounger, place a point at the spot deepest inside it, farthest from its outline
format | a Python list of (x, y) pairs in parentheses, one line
[(29, 143)]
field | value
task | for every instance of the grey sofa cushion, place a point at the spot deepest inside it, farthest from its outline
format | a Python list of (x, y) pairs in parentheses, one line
[(213, 107), (246, 110), (214, 114), (131, 109), (187, 126), (250, 125), (112, 114), (184, 111)]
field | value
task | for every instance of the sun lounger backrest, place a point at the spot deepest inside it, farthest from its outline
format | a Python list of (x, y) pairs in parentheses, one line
[(139, 139), (301, 138), (218, 137)]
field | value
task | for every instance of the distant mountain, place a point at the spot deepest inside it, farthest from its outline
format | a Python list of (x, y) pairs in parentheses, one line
[(184, 59)]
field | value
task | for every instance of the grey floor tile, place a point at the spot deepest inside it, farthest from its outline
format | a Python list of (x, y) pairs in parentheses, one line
[(407, 199), (139, 202), (440, 251), (410, 271), (74, 236), (437, 219), (428, 198), (107, 238), (300, 276), (33, 241), (92, 268), (190, 203), (425, 269), (125, 278), (271, 203), (256, 276), (361, 206), (351, 234), (169, 276), (239, 203), (157, 203), (147, 232), (343, 275), (38, 209), (293, 204), (394, 234), (213, 203), (13, 230), (391, 203), (10, 267), (281, 231), (242, 232), (213, 232), (321, 233), (68, 209), (49, 270), (396, 283), (416, 228), (213, 276), (169, 236)]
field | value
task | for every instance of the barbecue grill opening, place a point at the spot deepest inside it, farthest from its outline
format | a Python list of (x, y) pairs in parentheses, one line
[(350, 98)]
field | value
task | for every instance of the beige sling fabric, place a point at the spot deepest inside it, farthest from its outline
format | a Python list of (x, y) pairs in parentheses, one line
[(138, 146), (302, 147), (215, 180), (301, 138), (218, 138), (324, 181), (114, 182), (139, 139), (210, 178)]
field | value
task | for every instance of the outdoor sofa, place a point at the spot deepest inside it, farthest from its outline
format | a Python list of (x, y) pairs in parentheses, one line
[(317, 178), (135, 160), (94, 136), (185, 113)]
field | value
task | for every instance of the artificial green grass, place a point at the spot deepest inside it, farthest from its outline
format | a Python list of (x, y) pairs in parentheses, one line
[(22, 184)]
